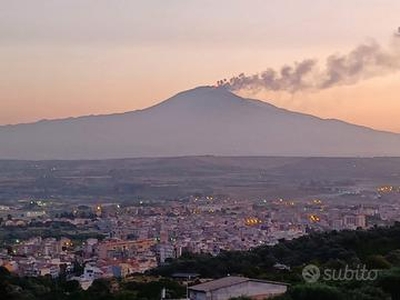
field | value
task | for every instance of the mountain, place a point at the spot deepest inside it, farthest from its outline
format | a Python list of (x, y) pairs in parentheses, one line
[(201, 121)]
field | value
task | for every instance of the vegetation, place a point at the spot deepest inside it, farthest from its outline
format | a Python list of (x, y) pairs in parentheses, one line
[(377, 248), (46, 288), (53, 229)]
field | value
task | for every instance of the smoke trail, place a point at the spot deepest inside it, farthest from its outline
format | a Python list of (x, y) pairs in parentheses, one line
[(365, 61)]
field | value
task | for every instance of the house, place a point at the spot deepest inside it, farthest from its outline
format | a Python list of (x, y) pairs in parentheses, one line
[(230, 287)]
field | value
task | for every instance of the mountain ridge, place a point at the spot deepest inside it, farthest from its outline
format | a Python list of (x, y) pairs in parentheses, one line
[(201, 121), (256, 101)]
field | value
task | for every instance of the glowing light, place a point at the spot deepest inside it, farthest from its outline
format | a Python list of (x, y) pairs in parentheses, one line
[(314, 218)]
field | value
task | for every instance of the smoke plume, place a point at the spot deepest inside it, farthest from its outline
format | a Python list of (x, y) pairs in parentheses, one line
[(365, 61)]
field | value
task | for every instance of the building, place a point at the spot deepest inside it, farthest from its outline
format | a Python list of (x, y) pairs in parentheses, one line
[(118, 249), (165, 251), (91, 273), (230, 287), (354, 221)]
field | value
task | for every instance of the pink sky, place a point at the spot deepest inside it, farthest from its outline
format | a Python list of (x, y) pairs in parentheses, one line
[(79, 57)]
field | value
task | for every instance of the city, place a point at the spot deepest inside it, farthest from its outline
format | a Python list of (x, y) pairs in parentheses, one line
[(198, 150), (127, 240)]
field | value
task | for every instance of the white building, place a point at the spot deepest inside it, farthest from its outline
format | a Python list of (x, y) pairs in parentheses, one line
[(230, 287)]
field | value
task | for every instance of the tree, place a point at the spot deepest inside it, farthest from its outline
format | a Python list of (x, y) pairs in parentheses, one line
[(389, 281), (377, 262), (99, 290), (315, 292)]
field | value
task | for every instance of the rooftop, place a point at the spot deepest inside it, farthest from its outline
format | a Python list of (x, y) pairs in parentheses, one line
[(226, 282), (219, 283)]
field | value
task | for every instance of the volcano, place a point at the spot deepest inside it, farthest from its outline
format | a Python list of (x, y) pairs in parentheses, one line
[(201, 121)]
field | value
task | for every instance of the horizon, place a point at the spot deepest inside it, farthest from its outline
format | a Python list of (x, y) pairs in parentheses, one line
[(188, 91), (149, 146), (90, 57)]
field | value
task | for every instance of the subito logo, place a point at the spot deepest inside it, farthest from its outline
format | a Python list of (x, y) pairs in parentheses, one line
[(311, 273)]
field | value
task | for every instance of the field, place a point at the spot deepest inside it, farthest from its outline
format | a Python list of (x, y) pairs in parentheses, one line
[(171, 178)]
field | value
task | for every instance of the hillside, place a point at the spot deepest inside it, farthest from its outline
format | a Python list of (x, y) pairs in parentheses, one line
[(202, 121)]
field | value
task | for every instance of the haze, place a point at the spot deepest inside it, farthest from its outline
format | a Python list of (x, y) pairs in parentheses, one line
[(71, 58)]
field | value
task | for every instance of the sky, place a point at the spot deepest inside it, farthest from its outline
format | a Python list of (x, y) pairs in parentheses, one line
[(80, 57)]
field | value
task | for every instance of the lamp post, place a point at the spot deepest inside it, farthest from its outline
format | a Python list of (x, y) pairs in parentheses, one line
[(187, 288)]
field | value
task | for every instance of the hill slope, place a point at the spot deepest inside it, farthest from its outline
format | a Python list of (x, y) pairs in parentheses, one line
[(201, 121)]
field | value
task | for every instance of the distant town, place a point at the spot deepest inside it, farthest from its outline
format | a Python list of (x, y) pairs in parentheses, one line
[(87, 242)]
